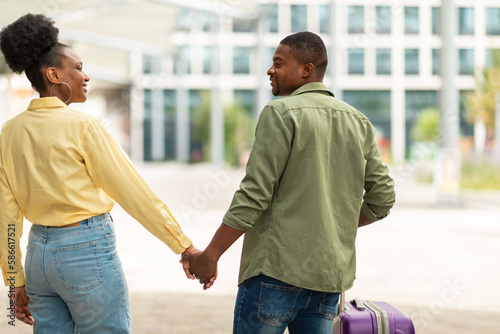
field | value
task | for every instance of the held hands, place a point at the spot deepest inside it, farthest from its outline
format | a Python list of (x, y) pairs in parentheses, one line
[(203, 265), (197, 265)]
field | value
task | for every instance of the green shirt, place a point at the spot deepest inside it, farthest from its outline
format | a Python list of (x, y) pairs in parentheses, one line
[(313, 167)]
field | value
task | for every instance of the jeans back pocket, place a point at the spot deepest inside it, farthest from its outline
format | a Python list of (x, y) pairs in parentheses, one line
[(78, 266), (276, 303), (329, 304)]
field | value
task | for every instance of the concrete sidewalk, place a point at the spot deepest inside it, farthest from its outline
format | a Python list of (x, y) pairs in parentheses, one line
[(438, 264)]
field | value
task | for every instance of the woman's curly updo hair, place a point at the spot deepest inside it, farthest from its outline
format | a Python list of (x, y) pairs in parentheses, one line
[(31, 44)]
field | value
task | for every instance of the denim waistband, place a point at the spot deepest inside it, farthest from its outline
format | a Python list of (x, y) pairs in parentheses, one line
[(55, 231), (91, 220), (94, 219)]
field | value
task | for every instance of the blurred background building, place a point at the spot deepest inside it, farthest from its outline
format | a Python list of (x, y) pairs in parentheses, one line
[(186, 80)]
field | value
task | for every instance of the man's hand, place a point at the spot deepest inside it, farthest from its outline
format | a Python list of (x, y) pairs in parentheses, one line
[(203, 265), (204, 268), (363, 221), (186, 260), (21, 306)]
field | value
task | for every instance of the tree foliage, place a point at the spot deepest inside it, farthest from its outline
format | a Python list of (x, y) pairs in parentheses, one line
[(426, 128), (236, 131), (481, 103)]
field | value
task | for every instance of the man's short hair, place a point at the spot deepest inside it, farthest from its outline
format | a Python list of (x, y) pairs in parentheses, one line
[(307, 47)]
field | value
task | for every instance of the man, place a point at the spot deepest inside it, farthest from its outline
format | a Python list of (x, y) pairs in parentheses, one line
[(313, 177)]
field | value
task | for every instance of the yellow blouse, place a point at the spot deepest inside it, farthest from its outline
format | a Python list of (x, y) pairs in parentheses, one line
[(59, 166)]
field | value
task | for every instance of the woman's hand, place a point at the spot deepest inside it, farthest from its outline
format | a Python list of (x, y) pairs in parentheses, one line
[(20, 300)]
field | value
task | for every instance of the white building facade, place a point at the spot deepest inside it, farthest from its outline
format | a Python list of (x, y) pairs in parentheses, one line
[(383, 59)]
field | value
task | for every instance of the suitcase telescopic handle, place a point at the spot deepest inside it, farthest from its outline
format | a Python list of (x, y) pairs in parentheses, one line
[(341, 306), (358, 303)]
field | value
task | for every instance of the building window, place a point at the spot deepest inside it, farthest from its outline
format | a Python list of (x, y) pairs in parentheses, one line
[(324, 19), (356, 19), (168, 99), (466, 128), (169, 107), (299, 18), (148, 104), (151, 64), (210, 22), (270, 13), (246, 99), (418, 100), (383, 19), (169, 104), (435, 61), (372, 103), (411, 62), (184, 20), (376, 105), (492, 21), (146, 124), (208, 54), (466, 61), (415, 102), (241, 60), (268, 57), (411, 20), (198, 99), (183, 61), (466, 21), (356, 61), (270, 54), (241, 25), (436, 17), (492, 58), (383, 61)]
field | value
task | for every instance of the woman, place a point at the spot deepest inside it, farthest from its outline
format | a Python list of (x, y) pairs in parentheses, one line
[(62, 171)]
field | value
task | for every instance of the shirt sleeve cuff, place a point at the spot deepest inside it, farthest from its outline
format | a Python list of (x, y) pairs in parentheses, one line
[(183, 243), (15, 279), (236, 223), (371, 214)]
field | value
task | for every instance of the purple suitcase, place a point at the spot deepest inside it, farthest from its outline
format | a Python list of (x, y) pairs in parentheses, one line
[(367, 317)]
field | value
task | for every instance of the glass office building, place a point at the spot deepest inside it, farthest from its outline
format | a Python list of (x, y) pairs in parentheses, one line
[(383, 60)]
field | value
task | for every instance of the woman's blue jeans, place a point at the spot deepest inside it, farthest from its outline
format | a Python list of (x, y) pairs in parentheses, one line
[(265, 305), (74, 279)]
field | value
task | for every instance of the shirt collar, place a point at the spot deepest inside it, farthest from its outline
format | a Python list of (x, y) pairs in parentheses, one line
[(46, 102), (312, 87)]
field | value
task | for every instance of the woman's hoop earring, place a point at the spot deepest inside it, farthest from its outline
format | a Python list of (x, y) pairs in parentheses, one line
[(70, 91)]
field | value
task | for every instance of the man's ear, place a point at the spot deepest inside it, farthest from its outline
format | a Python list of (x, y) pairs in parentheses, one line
[(52, 75), (307, 70)]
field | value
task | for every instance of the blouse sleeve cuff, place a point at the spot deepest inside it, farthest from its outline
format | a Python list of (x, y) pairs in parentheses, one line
[(14, 279)]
